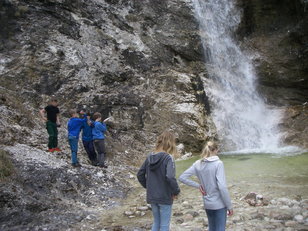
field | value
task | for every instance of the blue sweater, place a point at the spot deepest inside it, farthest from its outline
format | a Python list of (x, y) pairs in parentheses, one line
[(87, 131), (74, 126), (98, 130)]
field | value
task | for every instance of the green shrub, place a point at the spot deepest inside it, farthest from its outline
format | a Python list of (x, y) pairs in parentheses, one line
[(6, 166)]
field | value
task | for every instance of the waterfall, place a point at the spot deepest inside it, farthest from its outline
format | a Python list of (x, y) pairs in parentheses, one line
[(243, 120)]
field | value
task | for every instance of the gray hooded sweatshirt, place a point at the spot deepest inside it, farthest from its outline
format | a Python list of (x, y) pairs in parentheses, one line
[(157, 175), (211, 175)]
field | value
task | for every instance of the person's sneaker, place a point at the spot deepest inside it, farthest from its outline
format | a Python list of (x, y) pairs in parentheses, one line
[(76, 165), (51, 150), (102, 166), (57, 149)]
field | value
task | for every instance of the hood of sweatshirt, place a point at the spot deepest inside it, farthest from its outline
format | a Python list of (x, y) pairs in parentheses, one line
[(155, 160), (211, 158)]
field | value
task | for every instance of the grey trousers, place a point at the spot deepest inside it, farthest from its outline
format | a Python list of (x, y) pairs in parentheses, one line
[(101, 151)]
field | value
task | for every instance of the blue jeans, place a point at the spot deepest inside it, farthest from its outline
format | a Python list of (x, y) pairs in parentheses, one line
[(217, 219), (73, 141), (162, 215)]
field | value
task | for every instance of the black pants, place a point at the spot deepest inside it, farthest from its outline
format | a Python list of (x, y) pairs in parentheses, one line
[(89, 147), (100, 149)]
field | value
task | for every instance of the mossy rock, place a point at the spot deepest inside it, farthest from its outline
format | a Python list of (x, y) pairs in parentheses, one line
[(6, 166)]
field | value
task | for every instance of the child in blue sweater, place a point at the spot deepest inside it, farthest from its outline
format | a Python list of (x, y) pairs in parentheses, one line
[(74, 126), (99, 138)]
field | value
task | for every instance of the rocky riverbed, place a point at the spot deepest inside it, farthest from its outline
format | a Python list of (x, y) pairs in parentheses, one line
[(278, 205)]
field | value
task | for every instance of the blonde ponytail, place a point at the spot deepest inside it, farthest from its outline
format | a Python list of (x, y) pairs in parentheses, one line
[(209, 149)]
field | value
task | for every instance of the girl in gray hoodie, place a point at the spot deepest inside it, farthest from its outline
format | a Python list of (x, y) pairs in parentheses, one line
[(213, 186)]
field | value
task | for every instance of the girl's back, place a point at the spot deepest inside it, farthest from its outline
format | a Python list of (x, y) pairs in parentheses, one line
[(210, 172)]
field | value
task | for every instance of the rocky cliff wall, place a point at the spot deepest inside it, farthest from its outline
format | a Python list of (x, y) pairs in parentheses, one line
[(138, 61)]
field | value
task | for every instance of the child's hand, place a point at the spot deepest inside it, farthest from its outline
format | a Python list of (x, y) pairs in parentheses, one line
[(230, 212), (175, 197), (201, 189)]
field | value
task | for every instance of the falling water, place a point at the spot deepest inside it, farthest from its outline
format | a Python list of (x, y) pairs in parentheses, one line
[(242, 118)]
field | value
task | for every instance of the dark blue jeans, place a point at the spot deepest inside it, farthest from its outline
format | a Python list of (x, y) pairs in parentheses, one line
[(89, 147), (73, 141), (217, 219)]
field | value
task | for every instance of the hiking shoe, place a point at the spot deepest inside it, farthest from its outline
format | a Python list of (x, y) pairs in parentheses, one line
[(57, 149), (76, 165), (102, 166), (51, 150)]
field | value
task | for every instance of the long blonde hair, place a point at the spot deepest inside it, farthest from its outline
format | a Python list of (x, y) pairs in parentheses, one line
[(208, 149), (166, 143)]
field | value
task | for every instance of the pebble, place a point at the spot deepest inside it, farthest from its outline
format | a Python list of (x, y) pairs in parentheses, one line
[(143, 208), (290, 223), (299, 218), (188, 217), (128, 213)]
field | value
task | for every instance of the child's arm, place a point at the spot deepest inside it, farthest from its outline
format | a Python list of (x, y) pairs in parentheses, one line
[(101, 126), (222, 185), (141, 175), (170, 176), (42, 115), (184, 178), (58, 119)]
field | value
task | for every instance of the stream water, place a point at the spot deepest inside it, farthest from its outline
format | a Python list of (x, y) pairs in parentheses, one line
[(270, 174)]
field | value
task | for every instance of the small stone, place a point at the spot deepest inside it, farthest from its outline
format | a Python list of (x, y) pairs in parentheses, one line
[(143, 208), (177, 214), (179, 221), (128, 213), (142, 214), (193, 213), (188, 217), (299, 218), (290, 223), (131, 217)]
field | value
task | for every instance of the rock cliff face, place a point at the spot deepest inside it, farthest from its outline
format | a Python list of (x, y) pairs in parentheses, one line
[(139, 61)]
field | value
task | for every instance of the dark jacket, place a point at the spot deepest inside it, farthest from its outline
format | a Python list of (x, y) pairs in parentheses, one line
[(157, 175)]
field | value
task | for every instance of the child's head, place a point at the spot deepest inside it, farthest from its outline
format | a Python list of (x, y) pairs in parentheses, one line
[(53, 102), (210, 149), (97, 115), (166, 143), (73, 113)]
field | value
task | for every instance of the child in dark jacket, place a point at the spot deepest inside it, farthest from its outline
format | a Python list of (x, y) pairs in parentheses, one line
[(87, 140), (157, 175), (74, 126), (99, 138)]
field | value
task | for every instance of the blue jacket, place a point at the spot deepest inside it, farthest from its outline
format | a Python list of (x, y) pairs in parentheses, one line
[(98, 130), (74, 126), (87, 131)]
